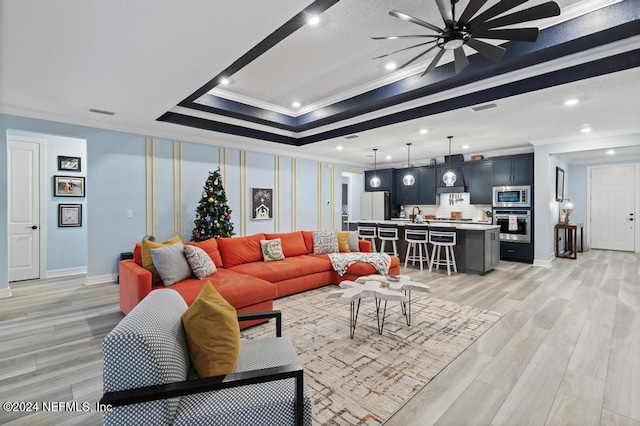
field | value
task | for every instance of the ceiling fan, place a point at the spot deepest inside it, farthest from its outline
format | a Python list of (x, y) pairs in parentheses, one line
[(469, 27)]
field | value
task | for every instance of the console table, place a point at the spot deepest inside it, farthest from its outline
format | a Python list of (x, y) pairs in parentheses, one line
[(569, 231)]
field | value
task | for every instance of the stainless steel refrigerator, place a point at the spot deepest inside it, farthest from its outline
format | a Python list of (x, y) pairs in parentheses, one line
[(375, 206)]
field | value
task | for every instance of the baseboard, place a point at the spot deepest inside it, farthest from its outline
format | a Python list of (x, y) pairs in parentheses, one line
[(5, 292), (101, 279), (57, 273), (543, 263)]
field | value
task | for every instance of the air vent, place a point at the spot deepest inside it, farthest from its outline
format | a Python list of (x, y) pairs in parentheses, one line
[(483, 107), (351, 137), (101, 111)]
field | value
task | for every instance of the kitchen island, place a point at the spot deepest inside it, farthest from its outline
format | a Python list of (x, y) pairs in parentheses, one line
[(477, 244)]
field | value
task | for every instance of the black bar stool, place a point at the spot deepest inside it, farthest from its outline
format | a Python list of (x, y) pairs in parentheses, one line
[(367, 231), (388, 232), (443, 236), (416, 237)]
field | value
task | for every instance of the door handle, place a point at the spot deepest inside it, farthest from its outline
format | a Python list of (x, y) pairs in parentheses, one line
[(32, 227)]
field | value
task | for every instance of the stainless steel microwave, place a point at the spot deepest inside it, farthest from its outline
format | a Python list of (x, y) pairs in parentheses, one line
[(512, 196)]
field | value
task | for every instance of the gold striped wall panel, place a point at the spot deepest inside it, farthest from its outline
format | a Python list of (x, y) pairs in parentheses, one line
[(294, 192), (150, 185), (320, 196)]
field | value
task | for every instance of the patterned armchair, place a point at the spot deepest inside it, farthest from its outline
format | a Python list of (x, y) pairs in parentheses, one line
[(148, 378)]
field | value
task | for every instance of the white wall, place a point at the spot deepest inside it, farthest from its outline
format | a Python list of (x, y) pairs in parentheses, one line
[(546, 214)]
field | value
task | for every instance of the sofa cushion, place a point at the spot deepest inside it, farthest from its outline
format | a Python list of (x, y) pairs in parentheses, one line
[(308, 240), (238, 250), (291, 267), (171, 264), (211, 247), (199, 261), (237, 289), (343, 241), (270, 403), (292, 243), (325, 242), (137, 254), (147, 261), (272, 250), (213, 333)]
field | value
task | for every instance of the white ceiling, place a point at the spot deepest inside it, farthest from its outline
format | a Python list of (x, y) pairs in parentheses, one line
[(59, 58)]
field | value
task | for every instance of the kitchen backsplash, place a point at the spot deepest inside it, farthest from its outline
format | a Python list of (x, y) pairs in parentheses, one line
[(452, 203)]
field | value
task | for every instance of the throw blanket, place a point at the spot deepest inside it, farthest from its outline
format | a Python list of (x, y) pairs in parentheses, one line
[(342, 261)]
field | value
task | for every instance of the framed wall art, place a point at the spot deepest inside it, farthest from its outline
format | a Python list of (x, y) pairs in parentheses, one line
[(68, 186), (261, 203), (69, 215), (559, 184), (71, 164)]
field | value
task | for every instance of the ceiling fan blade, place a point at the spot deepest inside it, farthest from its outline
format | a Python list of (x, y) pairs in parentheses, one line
[(404, 36), (487, 50), (495, 10), (434, 62), (446, 10), (517, 34), (417, 57), (461, 60), (545, 10), (472, 8), (406, 48), (417, 21)]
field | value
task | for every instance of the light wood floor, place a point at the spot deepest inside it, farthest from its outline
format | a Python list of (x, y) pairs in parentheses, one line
[(566, 352)]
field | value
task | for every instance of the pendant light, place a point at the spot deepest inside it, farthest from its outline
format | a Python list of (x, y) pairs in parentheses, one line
[(408, 179), (449, 177), (375, 180)]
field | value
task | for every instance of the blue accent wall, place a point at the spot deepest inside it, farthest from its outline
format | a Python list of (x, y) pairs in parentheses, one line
[(115, 165)]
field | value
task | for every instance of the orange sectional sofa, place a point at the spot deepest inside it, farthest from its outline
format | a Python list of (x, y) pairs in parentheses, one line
[(247, 282)]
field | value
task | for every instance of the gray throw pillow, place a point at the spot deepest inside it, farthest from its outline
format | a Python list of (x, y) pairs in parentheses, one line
[(171, 263), (354, 244)]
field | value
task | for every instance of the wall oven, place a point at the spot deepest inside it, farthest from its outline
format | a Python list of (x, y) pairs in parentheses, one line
[(515, 225), (512, 196)]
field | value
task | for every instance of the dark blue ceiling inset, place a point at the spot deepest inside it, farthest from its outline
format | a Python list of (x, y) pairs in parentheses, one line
[(598, 28)]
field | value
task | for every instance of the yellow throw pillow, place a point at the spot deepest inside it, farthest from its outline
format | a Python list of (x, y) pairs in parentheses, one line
[(147, 260), (213, 333), (343, 241)]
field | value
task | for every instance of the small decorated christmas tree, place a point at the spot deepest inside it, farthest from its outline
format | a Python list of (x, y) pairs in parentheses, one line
[(213, 215)]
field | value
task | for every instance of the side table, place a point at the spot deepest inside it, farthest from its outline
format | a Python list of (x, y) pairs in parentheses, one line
[(569, 231)]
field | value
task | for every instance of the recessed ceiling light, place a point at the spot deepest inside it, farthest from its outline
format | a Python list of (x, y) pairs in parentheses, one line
[(585, 129), (314, 20), (224, 81), (339, 147), (296, 104), (611, 152), (465, 146), (424, 131), (391, 66), (388, 157), (571, 102)]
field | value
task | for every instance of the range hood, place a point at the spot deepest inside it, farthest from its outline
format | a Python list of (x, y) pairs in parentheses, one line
[(458, 186)]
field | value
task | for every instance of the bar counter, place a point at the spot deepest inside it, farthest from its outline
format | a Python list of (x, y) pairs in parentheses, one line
[(477, 247)]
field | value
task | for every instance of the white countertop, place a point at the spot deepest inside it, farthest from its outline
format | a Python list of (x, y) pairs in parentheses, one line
[(468, 226)]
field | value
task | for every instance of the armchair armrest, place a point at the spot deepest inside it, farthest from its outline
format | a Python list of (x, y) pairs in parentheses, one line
[(262, 315), (206, 384)]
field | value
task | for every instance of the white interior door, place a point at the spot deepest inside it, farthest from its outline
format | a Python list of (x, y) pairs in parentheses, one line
[(612, 207), (24, 210)]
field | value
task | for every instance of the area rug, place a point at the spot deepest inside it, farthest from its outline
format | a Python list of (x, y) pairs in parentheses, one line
[(366, 379)]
